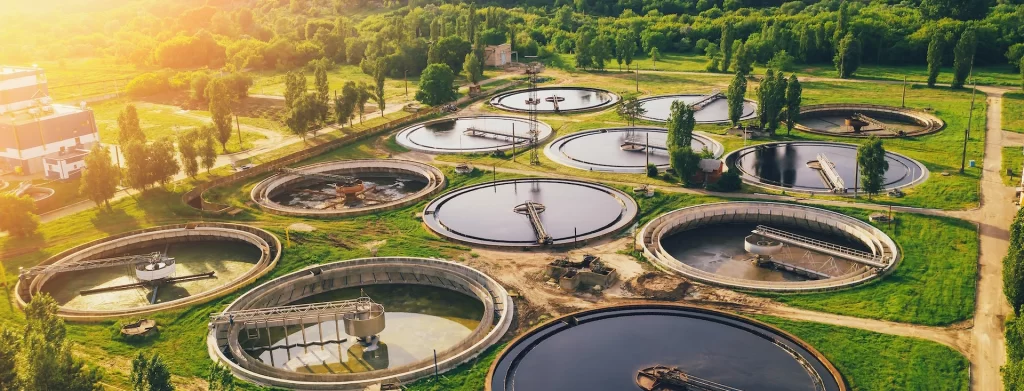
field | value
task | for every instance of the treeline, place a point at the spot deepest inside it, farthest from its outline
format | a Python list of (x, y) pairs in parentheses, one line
[(1013, 288), (285, 35)]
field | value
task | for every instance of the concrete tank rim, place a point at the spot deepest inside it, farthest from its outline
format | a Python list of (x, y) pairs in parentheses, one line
[(260, 268), (491, 338), (925, 173), (549, 150), (434, 186), (641, 101), (913, 113), (833, 371), (630, 204), (495, 101), (674, 266), (546, 133)]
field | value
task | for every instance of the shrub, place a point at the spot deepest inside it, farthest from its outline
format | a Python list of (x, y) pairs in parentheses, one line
[(652, 171)]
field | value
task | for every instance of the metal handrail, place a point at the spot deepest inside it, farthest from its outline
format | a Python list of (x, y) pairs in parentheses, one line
[(294, 312), (155, 257), (827, 168), (803, 241)]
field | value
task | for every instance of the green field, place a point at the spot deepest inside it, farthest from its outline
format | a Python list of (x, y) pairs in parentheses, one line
[(934, 284), (1013, 160), (159, 120), (70, 81), (1013, 112)]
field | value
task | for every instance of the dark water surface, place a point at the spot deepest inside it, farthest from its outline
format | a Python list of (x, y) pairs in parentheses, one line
[(605, 351), (785, 164), (602, 148), (659, 109), (574, 99), (448, 135)]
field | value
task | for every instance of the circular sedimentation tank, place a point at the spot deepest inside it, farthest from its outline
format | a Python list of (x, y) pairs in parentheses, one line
[(530, 213), (476, 134), (427, 305), (317, 190), (210, 259), (710, 109), (626, 149), (797, 166), (556, 99), (801, 248), (864, 120), (605, 349)]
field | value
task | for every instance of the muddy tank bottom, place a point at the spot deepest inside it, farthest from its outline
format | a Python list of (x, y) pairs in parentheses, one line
[(556, 99), (865, 120), (709, 110), (483, 134), (420, 320), (795, 165), (620, 149), (226, 259), (604, 349), (719, 249), (530, 212), (323, 195)]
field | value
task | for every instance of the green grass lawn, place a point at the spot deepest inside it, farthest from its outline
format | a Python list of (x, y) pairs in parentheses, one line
[(999, 75), (71, 80), (1013, 160), (159, 121), (934, 284), (1013, 112)]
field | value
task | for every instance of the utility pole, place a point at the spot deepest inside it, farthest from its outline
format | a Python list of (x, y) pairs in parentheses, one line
[(970, 118), (238, 126), (637, 71), (405, 79), (904, 104), (513, 142)]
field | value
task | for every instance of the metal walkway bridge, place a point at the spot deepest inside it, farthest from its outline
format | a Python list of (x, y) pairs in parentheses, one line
[(151, 258), (831, 176), (533, 210), (862, 257), (472, 131), (707, 99), (294, 312), (877, 123), (658, 147), (344, 179)]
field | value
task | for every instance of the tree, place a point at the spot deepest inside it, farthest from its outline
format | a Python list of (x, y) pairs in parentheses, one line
[(437, 85), (684, 162), (128, 126), (794, 96), (847, 58), (294, 87), (188, 149), (630, 110), (584, 58), (45, 359), (471, 23), (220, 378), (220, 110), (1013, 265), (207, 149), (654, 57), (163, 166), (150, 374), (871, 159), (935, 49), (474, 71), (450, 50), (601, 51), (197, 86), (378, 86), (16, 215), (736, 95), (100, 178), (955, 9), (136, 165), (323, 89), (680, 126), (301, 115), (726, 45), (629, 49), (1021, 67), (9, 346), (714, 56), (963, 57), (364, 95), (345, 104), (744, 59)]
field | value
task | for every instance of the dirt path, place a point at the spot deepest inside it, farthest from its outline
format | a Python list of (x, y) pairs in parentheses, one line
[(994, 218)]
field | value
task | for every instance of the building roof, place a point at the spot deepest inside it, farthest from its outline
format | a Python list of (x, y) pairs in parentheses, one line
[(68, 154), (22, 117), (13, 72)]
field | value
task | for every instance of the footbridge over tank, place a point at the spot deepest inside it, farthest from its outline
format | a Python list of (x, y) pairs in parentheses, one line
[(879, 261)]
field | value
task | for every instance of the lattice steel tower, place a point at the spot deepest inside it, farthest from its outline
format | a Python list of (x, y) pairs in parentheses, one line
[(533, 70)]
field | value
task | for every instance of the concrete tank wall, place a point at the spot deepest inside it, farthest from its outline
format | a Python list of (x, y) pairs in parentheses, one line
[(768, 213), (361, 272)]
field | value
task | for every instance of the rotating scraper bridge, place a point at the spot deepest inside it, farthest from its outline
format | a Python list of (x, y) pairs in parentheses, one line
[(269, 305), (772, 219)]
